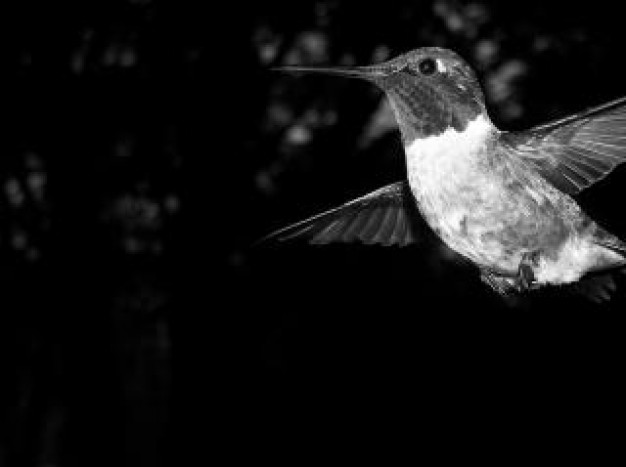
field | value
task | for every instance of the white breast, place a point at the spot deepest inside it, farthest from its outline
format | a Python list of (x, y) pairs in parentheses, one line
[(440, 167), (435, 160), (446, 178)]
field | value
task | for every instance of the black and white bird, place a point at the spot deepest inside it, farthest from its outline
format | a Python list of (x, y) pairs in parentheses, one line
[(504, 200)]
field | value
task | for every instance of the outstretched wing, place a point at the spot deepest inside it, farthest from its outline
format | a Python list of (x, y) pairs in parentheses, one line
[(577, 151), (383, 216)]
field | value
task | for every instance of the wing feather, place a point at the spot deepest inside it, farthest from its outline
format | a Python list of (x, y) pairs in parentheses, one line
[(401, 232), (386, 226), (381, 217), (356, 224), (575, 152)]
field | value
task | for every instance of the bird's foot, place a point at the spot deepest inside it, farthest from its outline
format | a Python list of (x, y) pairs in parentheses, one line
[(526, 279)]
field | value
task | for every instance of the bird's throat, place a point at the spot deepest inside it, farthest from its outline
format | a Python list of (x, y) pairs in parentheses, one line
[(421, 115)]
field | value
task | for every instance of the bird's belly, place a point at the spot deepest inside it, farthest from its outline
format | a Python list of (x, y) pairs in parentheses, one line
[(482, 218)]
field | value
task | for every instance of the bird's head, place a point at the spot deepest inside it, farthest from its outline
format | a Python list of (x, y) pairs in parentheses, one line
[(430, 89)]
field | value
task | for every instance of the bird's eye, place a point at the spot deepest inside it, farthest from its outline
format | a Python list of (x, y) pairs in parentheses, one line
[(427, 66)]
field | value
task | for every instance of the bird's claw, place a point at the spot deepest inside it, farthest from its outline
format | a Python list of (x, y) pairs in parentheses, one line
[(526, 279)]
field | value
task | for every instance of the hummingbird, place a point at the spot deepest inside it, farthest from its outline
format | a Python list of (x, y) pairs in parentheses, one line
[(504, 200)]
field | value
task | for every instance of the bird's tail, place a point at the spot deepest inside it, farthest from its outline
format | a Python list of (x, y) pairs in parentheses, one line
[(601, 285)]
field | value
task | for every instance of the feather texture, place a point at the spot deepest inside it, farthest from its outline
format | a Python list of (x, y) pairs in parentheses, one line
[(381, 217), (577, 151)]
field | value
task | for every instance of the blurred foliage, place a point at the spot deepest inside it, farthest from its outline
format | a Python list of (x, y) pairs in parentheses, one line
[(91, 175), (103, 101)]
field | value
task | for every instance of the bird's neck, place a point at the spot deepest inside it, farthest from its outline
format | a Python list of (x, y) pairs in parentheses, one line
[(421, 115)]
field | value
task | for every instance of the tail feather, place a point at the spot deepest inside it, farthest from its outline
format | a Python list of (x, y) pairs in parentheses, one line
[(600, 286), (597, 288)]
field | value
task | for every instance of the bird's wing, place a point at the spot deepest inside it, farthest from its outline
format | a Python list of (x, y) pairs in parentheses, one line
[(577, 151), (383, 216)]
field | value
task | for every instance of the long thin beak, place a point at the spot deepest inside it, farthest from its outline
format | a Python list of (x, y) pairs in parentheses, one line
[(370, 73)]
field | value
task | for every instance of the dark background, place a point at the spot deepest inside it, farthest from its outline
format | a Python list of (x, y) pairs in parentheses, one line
[(115, 112)]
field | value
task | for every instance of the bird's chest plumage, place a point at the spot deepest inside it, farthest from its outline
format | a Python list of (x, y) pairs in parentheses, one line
[(478, 209)]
